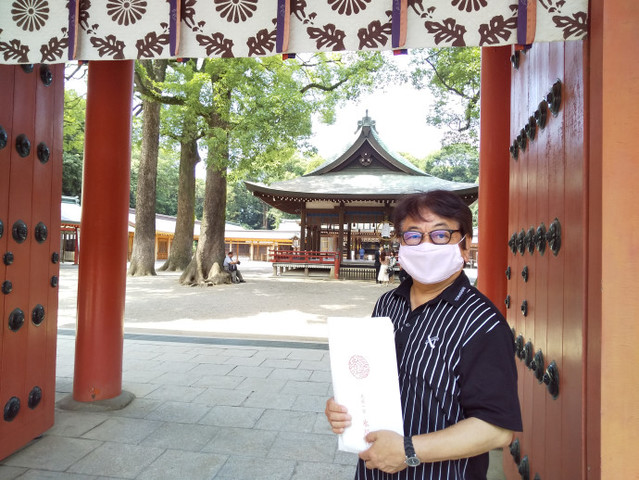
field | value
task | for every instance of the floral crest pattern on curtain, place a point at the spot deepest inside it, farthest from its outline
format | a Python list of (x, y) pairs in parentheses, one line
[(44, 31)]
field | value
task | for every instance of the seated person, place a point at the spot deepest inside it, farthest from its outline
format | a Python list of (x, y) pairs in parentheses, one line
[(230, 266)]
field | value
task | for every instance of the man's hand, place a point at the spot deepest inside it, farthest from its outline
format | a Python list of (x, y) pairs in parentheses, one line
[(337, 416), (386, 452)]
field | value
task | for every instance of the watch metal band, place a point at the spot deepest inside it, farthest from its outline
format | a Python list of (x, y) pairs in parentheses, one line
[(408, 447), (411, 457)]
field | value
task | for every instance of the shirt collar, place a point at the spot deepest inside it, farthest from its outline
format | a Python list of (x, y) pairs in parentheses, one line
[(453, 294)]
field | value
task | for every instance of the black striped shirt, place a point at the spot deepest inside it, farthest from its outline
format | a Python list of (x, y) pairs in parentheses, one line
[(455, 356)]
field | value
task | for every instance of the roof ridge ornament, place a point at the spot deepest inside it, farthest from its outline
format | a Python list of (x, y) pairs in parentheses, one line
[(366, 122)]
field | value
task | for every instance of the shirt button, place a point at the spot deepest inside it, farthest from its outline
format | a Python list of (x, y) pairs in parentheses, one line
[(408, 324)]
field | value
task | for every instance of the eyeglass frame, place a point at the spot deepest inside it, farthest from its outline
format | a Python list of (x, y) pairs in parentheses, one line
[(423, 235)]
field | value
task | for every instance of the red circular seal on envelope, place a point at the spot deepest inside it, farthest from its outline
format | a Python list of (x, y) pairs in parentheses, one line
[(359, 366)]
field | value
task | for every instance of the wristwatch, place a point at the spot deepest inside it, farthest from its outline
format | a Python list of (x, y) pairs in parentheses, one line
[(411, 457)]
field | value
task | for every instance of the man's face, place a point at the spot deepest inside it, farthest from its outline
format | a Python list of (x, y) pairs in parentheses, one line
[(436, 226)]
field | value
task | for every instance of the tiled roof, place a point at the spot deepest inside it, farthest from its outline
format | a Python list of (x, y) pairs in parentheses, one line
[(358, 185), (367, 170), (71, 214)]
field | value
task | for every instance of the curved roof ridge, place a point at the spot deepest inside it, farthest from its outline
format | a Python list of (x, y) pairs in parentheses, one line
[(397, 156), (368, 133)]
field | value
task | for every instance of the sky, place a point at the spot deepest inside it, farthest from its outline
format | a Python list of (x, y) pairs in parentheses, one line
[(400, 116), (399, 113)]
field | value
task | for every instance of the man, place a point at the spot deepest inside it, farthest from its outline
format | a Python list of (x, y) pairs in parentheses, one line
[(455, 355), (231, 266), (378, 263)]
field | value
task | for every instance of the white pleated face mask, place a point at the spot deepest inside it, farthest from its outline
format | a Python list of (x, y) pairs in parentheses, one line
[(428, 263)]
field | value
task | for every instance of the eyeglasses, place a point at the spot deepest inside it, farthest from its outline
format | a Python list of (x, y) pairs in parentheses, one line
[(438, 237)]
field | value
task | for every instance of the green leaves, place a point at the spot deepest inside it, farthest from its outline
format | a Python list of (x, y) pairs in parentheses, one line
[(457, 162), (73, 143), (453, 76)]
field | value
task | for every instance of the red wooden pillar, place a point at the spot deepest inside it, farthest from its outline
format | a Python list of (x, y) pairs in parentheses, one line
[(494, 173), (105, 207), (612, 423)]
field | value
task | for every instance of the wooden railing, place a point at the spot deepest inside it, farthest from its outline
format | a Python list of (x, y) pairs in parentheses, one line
[(306, 257)]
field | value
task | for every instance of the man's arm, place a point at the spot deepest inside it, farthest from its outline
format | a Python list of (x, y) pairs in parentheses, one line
[(467, 438)]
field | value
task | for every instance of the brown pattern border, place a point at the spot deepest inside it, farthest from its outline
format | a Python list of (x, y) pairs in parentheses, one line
[(119, 29)]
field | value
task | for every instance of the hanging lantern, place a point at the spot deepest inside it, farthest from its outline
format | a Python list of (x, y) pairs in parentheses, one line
[(385, 229)]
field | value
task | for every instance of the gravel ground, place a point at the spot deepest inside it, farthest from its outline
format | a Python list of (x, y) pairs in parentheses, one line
[(291, 306)]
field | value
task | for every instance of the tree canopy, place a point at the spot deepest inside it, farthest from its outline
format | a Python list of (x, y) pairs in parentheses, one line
[(453, 76), (458, 162), (73, 143)]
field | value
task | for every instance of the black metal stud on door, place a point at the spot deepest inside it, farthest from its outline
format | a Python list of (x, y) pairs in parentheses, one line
[(515, 451), (7, 258), (514, 60), (537, 366), (514, 150), (531, 128), (3, 137), (512, 243), (551, 379), (1, 228), (11, 409), (530, 240), (521, 140), (521, 241), (35, 395), (524, 273), (519, 347), (528, 354), (524, 468), (41, 232), (37, 315), (554, 98), (45, 75), (43, 152), (541, 114), (508, 272), (16, 320), (19, 231), (553, 236), (7, 287), (23, 145), (524, 308), (540, 238)]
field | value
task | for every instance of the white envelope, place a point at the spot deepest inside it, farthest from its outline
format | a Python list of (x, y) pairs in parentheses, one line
[(364, 371)]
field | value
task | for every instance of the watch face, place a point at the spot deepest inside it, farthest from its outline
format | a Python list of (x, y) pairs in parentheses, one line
[(412, 461)]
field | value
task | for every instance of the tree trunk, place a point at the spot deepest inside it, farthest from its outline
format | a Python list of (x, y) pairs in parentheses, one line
[(143, 255), (210, 247), (182, 246)]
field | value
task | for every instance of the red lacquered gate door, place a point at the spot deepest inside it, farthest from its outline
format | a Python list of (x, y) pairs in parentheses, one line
[(546, 286), (31, 106)]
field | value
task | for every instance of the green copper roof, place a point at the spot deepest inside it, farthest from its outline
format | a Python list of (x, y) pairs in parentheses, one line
[(368, 170), (370, 141), (349, 183)]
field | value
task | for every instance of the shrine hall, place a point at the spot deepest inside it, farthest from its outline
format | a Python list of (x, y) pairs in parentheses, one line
[(346, 204)]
